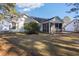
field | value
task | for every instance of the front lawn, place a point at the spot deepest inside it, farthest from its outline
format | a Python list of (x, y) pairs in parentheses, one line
[(41, 44)]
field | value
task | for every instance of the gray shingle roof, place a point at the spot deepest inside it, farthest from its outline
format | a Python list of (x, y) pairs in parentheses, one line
[(44, 19), (39, 19)]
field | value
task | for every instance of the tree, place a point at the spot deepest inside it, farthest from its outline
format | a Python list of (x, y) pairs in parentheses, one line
[(31, 27), (7, 6), (7, 9), (75, 8), (67, 19), (1, 16)]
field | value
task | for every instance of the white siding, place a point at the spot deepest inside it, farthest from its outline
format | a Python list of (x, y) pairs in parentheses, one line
[(20, 24), (21, 21), (70, 27), (73, 26), (4, 25)]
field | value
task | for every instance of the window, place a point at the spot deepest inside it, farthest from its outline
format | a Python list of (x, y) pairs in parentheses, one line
[(56, 25)]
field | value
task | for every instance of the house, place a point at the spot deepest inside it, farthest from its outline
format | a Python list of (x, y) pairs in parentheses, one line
[(73, 26), (51, 25)]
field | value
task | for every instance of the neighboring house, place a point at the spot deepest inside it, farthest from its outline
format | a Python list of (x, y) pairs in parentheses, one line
[(73, 26), (15, 23)]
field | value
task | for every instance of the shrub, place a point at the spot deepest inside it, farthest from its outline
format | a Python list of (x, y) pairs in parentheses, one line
[(31, 28)]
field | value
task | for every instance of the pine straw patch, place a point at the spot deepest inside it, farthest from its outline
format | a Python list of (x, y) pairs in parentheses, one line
[(7, 49)]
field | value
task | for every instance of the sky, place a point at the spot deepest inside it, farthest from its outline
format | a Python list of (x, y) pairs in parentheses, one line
[(45, 10)]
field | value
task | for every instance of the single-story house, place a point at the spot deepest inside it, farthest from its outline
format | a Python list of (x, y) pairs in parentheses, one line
[(51, 25)]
